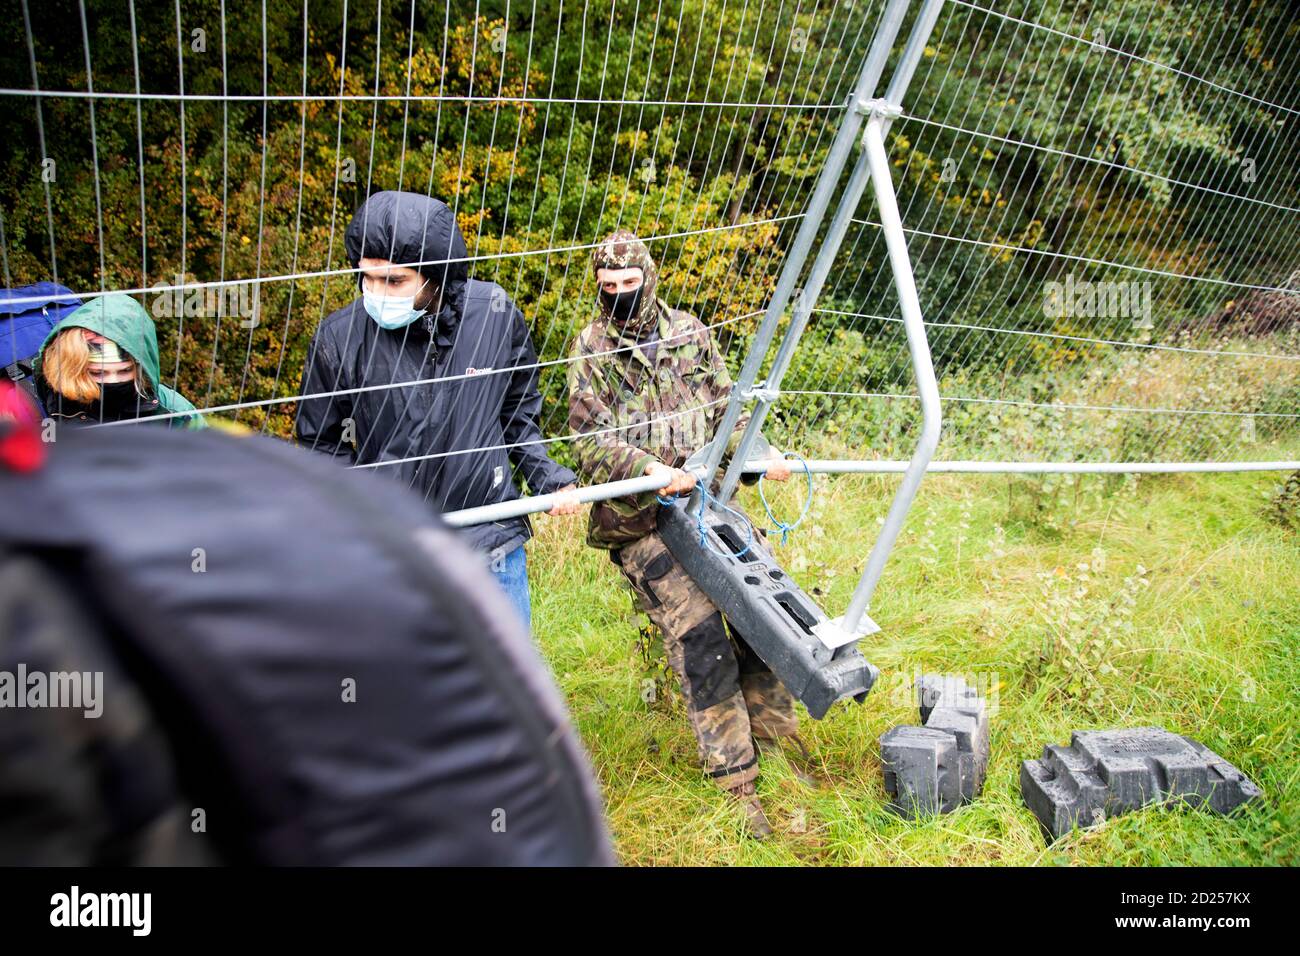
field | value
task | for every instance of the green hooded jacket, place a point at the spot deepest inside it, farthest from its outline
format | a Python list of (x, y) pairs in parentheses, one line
[(120, 318)]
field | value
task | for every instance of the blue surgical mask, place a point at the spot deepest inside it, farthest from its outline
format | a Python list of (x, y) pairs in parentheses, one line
[(390, 311)]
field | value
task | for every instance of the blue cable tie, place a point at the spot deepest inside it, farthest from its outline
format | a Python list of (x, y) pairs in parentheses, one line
[(782, 527), (705, 498)]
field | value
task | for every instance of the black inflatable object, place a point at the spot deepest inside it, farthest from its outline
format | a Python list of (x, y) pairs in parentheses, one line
[(81, 783), (762, 602), (243, 586)]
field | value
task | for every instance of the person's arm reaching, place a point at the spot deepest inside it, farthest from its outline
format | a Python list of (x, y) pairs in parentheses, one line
[(519, 414), (603, 454), (321, 424)]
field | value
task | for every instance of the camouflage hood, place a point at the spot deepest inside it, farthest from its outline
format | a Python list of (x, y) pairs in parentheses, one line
[(623, 250)]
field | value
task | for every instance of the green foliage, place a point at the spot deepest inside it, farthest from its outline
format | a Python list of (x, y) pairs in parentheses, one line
[(1285, 505), (505, 133), (1084, 633), (502, 126)]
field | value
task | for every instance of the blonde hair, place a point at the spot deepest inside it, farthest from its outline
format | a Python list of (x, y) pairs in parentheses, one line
[(65, 366)]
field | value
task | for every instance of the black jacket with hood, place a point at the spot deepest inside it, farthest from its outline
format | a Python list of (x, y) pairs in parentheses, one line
[(478, 341)]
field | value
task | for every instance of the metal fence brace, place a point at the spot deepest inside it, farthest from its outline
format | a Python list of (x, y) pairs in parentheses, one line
[(814, 656), (872, 166), (1107, 772)]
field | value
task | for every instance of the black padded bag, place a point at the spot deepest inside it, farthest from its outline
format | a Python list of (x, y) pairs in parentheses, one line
[(241, 582)]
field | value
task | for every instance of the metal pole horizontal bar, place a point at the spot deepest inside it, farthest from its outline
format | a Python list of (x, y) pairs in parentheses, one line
[(832, 466), (836, 467), (535, 503)]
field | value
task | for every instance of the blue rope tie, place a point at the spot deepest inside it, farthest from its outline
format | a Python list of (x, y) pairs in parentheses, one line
[(781, 526), (705, 498)]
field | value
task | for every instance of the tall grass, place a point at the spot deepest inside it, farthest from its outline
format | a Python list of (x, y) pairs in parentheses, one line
[(1087, 602)]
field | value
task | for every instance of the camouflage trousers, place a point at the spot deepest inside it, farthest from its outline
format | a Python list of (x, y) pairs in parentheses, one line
[(731, 695)]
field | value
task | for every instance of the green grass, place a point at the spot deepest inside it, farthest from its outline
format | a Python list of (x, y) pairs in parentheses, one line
[(1207, 648)]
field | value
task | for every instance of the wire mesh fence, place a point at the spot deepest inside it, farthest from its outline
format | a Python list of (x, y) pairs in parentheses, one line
[(1100, 203), (1100, 200)]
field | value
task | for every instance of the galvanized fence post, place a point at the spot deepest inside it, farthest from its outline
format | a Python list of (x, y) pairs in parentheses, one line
[(743, 389), (770, 391)]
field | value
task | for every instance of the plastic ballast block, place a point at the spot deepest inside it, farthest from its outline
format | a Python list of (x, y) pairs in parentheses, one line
[(937, 767), (1104, 773), (922, 770), (775, 617)]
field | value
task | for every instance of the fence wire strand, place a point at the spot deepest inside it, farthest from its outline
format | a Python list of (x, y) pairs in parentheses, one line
[(1102, 208)]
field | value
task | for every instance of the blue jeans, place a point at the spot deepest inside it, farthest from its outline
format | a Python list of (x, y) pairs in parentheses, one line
[(511, 572)]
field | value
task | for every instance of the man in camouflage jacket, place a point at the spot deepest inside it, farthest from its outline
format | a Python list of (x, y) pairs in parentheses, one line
[(647, 388)]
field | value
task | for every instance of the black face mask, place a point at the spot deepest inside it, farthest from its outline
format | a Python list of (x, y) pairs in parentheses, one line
[(623, 306), (120, 400)]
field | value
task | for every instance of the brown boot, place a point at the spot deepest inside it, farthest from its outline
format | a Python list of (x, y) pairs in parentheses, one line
[(756, 824)]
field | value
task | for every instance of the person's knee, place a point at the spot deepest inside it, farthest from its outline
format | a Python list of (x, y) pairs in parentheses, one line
[(770, 706), (711, 670)]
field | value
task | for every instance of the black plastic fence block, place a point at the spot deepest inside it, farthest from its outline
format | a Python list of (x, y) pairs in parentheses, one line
[(936, 768), (930, 688), (922, 770), (1104, 773), (969, 727), (775, 617), (948, 702)]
